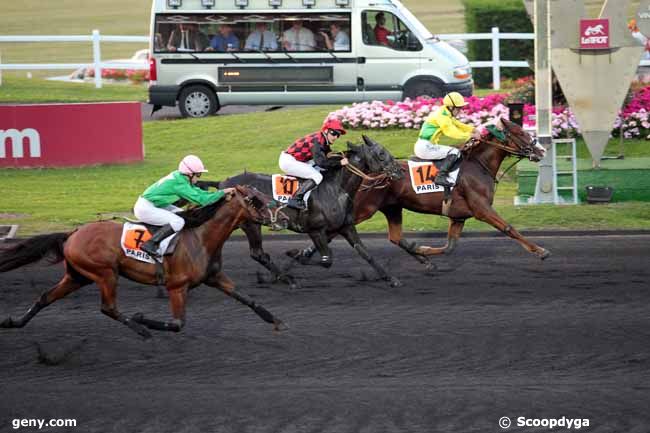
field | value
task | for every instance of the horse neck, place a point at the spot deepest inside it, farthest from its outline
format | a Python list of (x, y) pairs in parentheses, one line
[(490, 156), (217, 229)]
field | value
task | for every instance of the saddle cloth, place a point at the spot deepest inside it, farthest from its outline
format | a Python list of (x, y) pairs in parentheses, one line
[(285, 187), (135, 234), (422, 174)]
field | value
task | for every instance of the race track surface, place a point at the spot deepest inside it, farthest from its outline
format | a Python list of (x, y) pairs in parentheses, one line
[(494, 332)]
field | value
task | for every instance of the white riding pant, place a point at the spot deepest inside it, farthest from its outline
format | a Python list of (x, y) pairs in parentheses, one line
[(147, 212), (305, 170), (425, 149)]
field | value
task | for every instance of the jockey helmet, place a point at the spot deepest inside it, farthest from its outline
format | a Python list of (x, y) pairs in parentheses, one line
[(334, 124), (190, 165), (454, 100)]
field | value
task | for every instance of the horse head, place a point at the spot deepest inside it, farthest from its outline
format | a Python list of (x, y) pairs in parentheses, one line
[(261, 208), (376, 158), (518, 142)]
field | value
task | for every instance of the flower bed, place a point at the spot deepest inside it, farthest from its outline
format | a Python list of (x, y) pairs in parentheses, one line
[(410, 114)]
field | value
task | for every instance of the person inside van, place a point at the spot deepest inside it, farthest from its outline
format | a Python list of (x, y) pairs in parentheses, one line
[(340, 41), (441, 122), (307, 155), (298, 38), (261, 39), (187, 37), (225, 40), (381, 32)]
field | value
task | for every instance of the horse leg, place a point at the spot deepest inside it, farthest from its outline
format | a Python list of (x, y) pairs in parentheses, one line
[(221, 281), (453, 234), (177, 300), (107, 285), (487, 214), (254, 235), (350, 234), (70, 282), (321, 242), (393, 216)]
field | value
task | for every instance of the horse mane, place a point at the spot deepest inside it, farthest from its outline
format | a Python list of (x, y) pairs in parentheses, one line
[(197, 216)]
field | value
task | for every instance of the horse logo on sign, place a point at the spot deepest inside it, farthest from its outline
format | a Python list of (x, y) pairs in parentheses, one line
[(594, 34)]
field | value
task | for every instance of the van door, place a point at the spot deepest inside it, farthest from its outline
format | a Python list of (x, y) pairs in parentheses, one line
[(391, 53)]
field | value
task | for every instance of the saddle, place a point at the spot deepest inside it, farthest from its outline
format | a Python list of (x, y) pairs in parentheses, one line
[(437, 162), (168, 247)]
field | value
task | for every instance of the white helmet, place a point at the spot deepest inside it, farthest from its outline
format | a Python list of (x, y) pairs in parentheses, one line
[(190, 165)]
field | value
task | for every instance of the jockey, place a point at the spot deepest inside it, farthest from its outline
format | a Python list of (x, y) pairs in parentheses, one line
[(154, 206), (307, 154), (443, 122)]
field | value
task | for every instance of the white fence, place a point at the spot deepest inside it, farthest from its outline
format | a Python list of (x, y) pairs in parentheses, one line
[(496, 63), (97, 63)]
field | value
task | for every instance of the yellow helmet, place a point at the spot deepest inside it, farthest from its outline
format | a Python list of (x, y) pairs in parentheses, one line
[(454, 100)]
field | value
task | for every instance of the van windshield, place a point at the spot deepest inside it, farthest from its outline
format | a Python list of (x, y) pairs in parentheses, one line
[(413, 23), (220, 33)]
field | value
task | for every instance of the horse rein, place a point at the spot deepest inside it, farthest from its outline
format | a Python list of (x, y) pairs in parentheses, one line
[(375, 182)]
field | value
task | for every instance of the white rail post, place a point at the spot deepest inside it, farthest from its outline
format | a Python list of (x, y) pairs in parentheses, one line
[(496, 59), (97, 60), (1, 73)]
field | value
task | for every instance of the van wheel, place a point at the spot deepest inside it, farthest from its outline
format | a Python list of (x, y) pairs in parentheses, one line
[(197, 101), (423, 88)]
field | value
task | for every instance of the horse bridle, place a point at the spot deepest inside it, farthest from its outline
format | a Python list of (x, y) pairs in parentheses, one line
[(520, 152)]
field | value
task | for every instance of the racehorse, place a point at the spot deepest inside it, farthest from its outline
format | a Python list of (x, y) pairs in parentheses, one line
[(92, 254), (472, 195), (330, 207)]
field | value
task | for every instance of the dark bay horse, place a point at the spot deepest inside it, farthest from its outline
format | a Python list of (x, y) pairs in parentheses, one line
[(92, 254), (330, 207), (472, 196)]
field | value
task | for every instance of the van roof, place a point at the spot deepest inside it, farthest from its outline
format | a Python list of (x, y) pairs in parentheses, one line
[(229, 5)]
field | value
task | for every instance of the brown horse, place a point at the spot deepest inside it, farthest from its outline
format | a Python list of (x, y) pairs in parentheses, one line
[(92, 254), (471, 197)]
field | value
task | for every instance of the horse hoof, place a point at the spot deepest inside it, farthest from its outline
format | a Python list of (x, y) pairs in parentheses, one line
[(326, 263), (139, 329), (294, 253), (137, 317), (7, 323), (430, 267), (279, 325), (394, 282), (544, 254)]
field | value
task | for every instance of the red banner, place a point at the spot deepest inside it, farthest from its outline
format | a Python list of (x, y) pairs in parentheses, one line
[(70, 135)]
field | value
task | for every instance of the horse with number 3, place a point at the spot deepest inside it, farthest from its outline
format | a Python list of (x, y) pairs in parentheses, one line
[(92, 254)]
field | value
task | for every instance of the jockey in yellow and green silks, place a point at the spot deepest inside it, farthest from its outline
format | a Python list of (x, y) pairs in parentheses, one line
[(441, 122)]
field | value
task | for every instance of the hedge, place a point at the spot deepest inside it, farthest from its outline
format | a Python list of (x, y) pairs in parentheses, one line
[(510, 17)]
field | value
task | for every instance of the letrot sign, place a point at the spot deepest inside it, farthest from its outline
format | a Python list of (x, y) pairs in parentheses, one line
[(594, 34), (594, 61)]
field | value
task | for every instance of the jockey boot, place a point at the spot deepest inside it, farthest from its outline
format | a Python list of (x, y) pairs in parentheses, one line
[(151, 246), (297, 201), (443, 173)]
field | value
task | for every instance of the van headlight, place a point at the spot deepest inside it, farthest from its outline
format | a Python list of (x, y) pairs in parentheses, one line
[(463, 72)]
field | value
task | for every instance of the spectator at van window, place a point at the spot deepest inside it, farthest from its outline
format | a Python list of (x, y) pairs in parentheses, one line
[(298, 38), (381, 32), (187, 37), (158, 44), (261, 39), (341, 39), (225, 40)]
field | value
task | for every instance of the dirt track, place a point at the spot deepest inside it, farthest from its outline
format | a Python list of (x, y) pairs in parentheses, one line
[(494, 333)]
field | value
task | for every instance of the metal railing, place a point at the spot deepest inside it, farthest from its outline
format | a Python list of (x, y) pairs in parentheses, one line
[(97, 63), (495, 36)]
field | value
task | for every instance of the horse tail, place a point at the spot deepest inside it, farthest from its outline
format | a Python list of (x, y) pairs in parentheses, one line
[(32, 250)]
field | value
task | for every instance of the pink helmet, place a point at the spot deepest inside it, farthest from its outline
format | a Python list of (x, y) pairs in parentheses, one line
[(190, 165)]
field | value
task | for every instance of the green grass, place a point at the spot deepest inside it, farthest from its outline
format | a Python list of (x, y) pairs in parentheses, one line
[(59, 199), (24, 90)]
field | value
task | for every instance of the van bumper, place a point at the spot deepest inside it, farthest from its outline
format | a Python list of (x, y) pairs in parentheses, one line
[(163, 95), (465, 88)]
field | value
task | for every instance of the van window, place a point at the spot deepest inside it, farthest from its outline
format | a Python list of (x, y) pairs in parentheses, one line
[(385, 28), (219, 33)]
